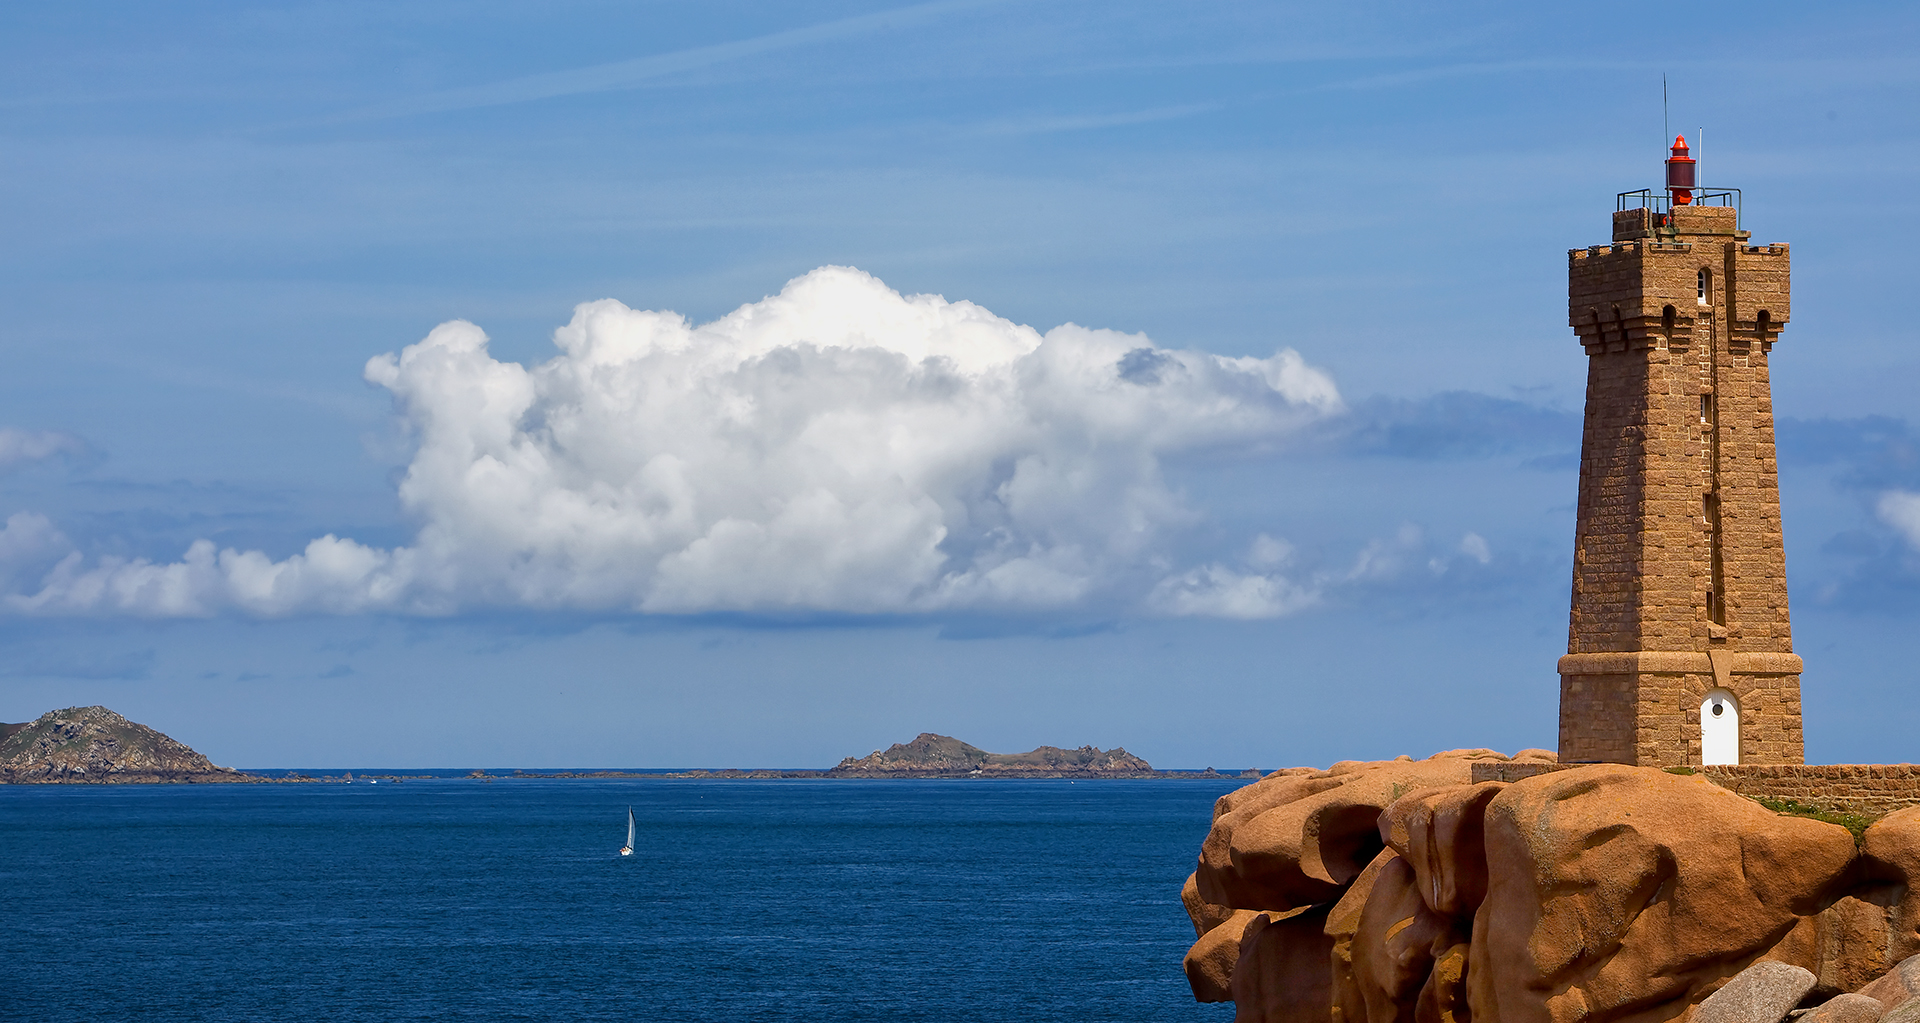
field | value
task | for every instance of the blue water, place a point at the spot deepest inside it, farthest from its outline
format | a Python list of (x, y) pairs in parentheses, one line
[(456, 899)]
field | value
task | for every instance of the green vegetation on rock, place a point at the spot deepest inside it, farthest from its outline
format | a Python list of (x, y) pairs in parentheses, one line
[(1855, 821)]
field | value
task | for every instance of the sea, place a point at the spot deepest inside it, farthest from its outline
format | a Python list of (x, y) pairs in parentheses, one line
[(460, 899)]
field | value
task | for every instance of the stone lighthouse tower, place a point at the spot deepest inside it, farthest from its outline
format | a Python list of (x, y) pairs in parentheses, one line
[(1678, 647)]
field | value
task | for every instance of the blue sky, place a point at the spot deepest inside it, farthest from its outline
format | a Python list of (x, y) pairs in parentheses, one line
[(216, 215)]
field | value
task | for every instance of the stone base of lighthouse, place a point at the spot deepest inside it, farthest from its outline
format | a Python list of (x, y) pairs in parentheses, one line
[(1654, 709)]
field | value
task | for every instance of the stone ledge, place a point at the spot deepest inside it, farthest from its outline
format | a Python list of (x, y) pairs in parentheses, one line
[(1875, 772), (1876, 788), (1675, 662), (1501, 770)]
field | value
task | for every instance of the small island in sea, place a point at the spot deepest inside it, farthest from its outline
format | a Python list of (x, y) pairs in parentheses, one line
[(94, 745), (942, 756)]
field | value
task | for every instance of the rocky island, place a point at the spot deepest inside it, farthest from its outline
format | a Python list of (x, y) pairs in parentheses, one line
[(942, 756), (95, 745)]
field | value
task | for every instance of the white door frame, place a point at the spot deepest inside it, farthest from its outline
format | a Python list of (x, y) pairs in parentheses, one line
[(1719, 728)]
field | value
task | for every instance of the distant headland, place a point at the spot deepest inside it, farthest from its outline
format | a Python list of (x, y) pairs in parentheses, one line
[(94, 745)]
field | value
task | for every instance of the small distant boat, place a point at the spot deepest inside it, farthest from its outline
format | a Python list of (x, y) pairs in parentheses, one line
[(627, 850)]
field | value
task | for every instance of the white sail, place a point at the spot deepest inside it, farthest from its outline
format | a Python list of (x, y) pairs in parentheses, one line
[(629, 827)]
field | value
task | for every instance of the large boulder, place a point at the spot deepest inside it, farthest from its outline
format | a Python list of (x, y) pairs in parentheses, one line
[(1843, 945), (1216, 878), (1628, 894), (1445, 998), (1303, 838), (1897, 986), (1343, 923), (1282, 974), (1401, 892), (1262, 790), (1395, 945), (1401, 931), (1441, 835), (1205, 915), (1875, 924), (1209, 963), (1762, 993), (1846, 1008), (1890, 857)]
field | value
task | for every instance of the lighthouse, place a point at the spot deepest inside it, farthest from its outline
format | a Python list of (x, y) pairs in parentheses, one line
[(1679, 645)]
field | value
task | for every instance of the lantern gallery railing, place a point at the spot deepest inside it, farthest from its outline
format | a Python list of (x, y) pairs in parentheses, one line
[(1660, 200)]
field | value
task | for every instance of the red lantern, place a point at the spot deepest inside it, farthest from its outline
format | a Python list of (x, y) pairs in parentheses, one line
[(1680, 168)]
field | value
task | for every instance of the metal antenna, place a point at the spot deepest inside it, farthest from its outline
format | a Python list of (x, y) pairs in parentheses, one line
[(1665, 141)]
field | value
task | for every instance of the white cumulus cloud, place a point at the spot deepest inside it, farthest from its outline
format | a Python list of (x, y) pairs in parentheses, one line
[(1474, 546), (1901, 510), (1216, 591), (836, 447), (29, 544)]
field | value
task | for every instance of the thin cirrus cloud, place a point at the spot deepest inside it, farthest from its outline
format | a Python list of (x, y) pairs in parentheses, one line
[(837, 448), (20, 447), (627, 74)]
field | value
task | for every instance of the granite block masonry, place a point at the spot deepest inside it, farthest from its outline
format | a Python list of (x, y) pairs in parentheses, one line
[(1679, 648)]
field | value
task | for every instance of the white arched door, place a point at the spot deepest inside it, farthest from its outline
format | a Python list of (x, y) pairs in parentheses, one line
[(1719, 728)]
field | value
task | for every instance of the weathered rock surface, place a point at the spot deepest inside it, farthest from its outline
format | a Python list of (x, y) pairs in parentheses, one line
[(1205, 915), (1867, 933), (1394, 946), (942, 756), (1896, 986), (1845, 1008), (1209, 963), (1620, 892), (1303, 837), (1298, 839), (95, 745), (1890, 854), (1762, 993), (1281, 976), (1845, 945), (1343, 923), (1906, 1012), (1442, 835), (1601, 894)]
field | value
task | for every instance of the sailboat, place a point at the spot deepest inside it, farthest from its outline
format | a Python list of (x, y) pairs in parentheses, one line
[(627, 850)]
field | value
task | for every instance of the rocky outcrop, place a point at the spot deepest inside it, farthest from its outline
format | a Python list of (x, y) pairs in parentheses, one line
[(942, 756), (95, 745), (1600, 894), (1617, 890)]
